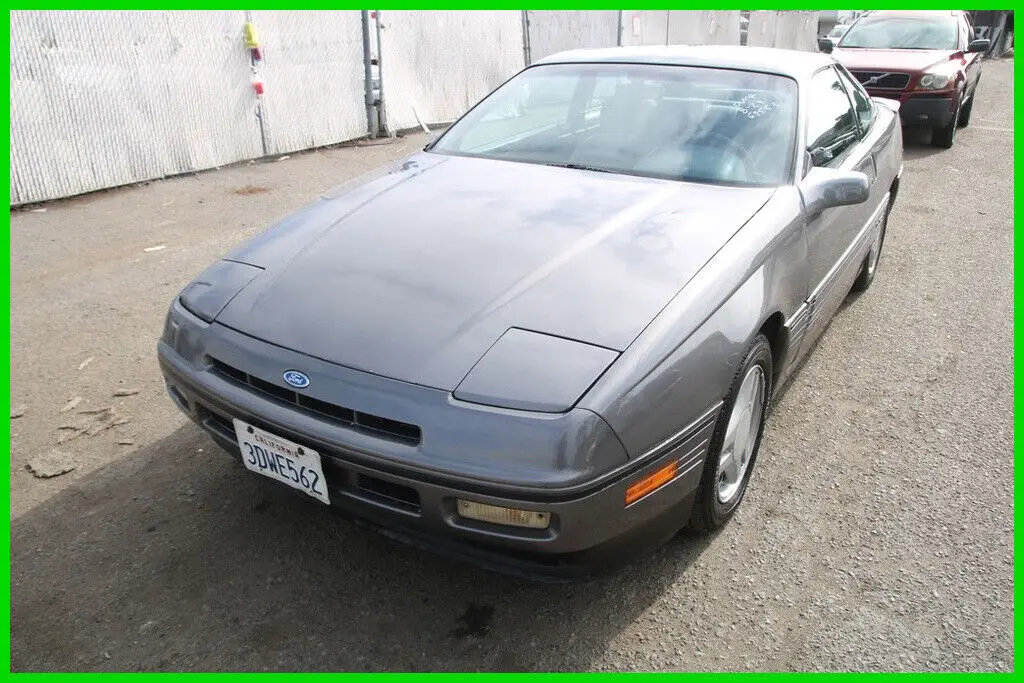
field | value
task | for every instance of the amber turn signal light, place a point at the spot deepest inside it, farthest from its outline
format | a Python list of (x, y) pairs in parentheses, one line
[(651, 482)]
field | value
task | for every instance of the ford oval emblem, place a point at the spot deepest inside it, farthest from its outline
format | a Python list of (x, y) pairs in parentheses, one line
[(296, 379)]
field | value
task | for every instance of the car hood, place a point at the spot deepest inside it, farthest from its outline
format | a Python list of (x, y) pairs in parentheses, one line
[(890, 60), (415, 272)]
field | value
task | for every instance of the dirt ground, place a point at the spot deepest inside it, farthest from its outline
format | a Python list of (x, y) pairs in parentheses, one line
[(877, 533)]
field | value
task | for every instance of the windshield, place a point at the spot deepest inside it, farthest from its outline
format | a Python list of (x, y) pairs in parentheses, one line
[(680, 123), (902, 33), (836, 32)]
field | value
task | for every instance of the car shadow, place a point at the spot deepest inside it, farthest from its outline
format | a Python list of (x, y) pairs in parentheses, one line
[(176, 558), (851, 298), (917, 143)]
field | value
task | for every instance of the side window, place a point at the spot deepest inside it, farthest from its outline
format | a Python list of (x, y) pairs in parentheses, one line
[(831, 120), (862, 103)]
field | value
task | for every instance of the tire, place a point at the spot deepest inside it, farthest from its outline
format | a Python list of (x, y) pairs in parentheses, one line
[(719, 495), (944, 137), (870, 265), (965, 113)]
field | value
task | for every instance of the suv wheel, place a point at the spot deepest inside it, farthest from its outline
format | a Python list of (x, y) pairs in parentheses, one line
[(965, 113), (943, 137)]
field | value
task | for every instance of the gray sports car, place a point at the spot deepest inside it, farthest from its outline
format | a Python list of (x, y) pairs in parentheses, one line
[(551, 335)]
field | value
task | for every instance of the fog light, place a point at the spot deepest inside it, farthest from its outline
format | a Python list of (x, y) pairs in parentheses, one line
[(505, 516)]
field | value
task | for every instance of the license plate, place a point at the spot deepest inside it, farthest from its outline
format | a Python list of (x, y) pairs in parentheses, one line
[(282, 460)]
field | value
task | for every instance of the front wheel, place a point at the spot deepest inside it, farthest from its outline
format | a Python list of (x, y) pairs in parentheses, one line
[(944, 137), (965, 113), (736, 440)]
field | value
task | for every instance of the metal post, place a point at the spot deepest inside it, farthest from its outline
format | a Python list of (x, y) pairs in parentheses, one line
[(260, 113), (371, 114), (526, 37), (618, 39), (382, 106)]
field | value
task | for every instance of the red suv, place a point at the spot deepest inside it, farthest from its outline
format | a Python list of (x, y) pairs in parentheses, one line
[(929, 61)]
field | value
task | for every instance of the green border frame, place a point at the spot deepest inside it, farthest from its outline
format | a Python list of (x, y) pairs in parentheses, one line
[(5, 654)]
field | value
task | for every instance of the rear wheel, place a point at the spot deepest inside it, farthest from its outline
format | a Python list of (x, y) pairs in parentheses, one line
[(736, 441), (867, 270)]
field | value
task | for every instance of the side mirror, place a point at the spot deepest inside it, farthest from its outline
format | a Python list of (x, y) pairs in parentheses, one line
[(979, 45), (826, 188), (825, 45)]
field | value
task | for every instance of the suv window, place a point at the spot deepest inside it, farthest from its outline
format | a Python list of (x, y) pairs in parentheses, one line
[(862, 103), (831, 120)]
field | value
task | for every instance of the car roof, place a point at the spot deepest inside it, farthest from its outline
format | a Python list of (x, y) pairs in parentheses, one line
[(795, 64)]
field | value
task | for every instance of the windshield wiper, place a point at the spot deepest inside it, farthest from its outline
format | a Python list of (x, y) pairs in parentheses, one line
[(579, 167)]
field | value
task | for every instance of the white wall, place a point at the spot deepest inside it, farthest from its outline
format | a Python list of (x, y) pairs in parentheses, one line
[(790, 29), (719, 27), (553, 31), (440, 63), (680, 27), (100, 99), (313, 72), (645, 27)]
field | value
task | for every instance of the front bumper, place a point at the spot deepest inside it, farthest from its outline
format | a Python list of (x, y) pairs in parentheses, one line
[(393, 487), (934, 110)]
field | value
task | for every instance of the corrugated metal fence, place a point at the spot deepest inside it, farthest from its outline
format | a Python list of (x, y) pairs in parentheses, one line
[(435, 65), (312, 69), (555, 31), (680, 27), (107, 98), (100, 99), (791, 29)]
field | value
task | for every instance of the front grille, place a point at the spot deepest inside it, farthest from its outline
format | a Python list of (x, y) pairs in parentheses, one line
[(379, 426), (884, 80)]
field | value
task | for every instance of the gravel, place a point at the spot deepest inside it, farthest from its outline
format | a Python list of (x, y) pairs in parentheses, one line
[(877, 534)]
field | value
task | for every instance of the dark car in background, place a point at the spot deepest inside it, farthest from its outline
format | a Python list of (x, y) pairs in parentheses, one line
[(928, 60)]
